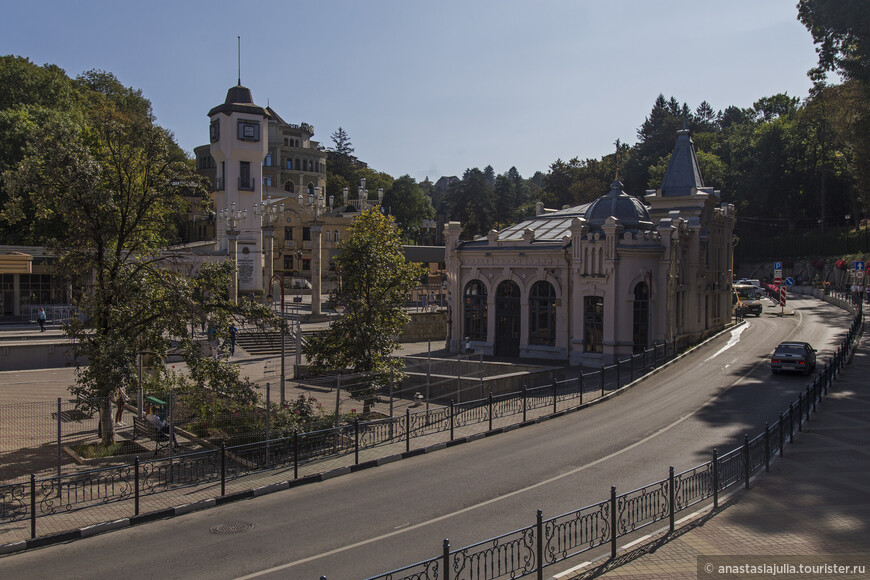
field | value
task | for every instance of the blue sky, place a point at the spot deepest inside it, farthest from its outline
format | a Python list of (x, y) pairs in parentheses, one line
[(430, 88)]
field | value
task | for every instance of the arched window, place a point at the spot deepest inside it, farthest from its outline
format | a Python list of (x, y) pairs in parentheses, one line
[(285, 141), (288, 186), (593, 324), (542, 314), (640, 328), (297, 165), (335, 236), (328, 236), (474, 311)]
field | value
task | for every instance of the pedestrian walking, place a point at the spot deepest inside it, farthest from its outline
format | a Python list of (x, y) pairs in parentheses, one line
[(120, 401), (233, 332), (40, 318)]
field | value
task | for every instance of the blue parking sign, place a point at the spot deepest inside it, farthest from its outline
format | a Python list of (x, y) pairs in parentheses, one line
[(777, 265)]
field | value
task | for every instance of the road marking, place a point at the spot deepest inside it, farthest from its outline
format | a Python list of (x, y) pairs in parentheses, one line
[(471, 507), (735, 338)]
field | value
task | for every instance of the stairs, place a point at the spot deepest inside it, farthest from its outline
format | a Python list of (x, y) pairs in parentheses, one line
[(267, 342)]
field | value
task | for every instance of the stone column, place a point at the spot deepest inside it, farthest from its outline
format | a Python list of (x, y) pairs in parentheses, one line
[(316, 249), (233, 242)]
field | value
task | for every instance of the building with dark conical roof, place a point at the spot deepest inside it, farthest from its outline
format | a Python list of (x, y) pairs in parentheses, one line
[(598, 281)]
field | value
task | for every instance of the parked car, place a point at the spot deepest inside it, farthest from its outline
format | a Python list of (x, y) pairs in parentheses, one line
[(793, 356)]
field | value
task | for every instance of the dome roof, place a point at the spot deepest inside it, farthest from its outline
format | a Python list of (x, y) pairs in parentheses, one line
[(631, 213)]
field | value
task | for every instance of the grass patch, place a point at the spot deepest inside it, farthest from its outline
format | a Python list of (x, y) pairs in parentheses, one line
[(96, 450)]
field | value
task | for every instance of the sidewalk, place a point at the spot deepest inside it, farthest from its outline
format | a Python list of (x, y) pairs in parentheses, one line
[(815, 500)]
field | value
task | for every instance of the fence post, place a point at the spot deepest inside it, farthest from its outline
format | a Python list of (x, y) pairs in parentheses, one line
[(540, 525), (445, 558), (295, 453), (791, 422), (136, 486), (268, 425), (580, 372), (355, 441), (458, 377), (451, 419), (715, 478), (223, 468), (554, 395), (59, 456), (766, 446), (800, 411), (671, 493), (32, 505), (746, 461), (490, 411), (525, 395), (618, 374), (631, 361), (407, 430), (602, 379), (612, 522), (781, 450), (810, 398)]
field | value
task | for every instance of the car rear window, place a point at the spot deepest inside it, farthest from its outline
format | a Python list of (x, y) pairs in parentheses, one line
[(789, 349)]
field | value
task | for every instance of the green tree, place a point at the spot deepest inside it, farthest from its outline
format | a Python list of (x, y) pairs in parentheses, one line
[(375, 276), (406, 202), (115, 187), (839, 28)]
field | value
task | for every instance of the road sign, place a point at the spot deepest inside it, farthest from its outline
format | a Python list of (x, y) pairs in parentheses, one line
[(777, 281), (777, 265), (857, 265), (859, 275), (782, 296), (789, 281)]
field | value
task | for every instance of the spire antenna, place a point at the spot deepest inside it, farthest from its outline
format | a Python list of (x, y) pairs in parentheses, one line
[(617, 161), (239, 57)]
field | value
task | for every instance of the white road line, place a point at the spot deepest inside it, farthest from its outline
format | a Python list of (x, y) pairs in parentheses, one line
[(469, 508)]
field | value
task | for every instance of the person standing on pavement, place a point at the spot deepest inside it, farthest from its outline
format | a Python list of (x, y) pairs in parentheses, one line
[(41, 319), (233, 332), (120, 401)]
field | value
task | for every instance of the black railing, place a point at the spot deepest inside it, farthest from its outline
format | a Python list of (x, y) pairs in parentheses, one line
[(49, 496), (547, 542)]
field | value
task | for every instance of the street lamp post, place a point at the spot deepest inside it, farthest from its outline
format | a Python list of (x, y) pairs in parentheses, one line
[(316, 203), (270, 213), (233, 218), (269, 297)]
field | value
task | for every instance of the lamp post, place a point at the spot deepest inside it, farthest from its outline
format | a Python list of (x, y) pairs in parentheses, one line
[(316, 204), (298, 328), (269, 297), (233, 218), (269, 212)]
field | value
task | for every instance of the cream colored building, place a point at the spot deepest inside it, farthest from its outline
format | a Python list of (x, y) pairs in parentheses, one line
[(591, 283)]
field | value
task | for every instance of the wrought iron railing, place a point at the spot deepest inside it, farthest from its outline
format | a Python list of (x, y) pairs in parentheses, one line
[(550, 540)]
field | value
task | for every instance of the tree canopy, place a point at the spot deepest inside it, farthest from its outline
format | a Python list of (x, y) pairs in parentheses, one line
[(374, 279)]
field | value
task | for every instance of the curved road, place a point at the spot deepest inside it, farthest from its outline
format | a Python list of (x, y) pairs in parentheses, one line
[(379, 519)]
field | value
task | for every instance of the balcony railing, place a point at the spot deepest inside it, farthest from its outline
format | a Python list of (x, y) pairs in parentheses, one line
[(246, 183)]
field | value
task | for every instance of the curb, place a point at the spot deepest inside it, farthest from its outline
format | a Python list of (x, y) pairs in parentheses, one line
[(95, 529)]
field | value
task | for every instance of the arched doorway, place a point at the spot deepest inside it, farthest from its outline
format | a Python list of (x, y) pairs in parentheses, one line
[(507, 319), (475, 311), (641, 317)]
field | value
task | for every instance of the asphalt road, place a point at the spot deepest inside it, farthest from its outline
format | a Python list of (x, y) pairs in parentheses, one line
[(379, 519)]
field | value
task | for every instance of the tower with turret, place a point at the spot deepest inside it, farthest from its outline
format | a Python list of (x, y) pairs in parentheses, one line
[(238, 137)]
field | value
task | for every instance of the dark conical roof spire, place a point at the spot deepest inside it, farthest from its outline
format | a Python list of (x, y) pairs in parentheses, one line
[(683, 172)]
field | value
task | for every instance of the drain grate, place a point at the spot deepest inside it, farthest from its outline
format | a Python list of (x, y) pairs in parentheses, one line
[(236, 527)]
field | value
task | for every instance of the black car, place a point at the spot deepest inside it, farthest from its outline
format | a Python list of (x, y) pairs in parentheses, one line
[(793, 356)]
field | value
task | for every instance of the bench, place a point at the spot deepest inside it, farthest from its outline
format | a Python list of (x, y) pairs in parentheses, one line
[(142, 426)]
